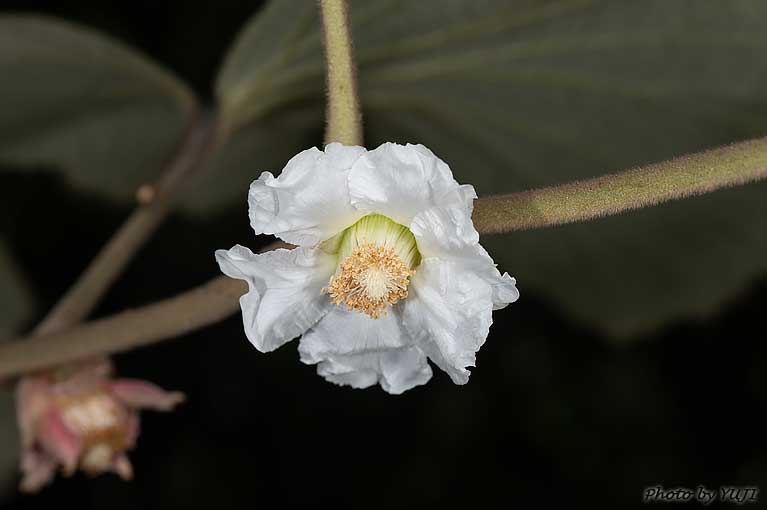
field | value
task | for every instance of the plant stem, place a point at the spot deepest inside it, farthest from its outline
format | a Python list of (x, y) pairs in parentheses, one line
[(86, 292), (163, 320), (344, 121), (642, 187), (681, 177)]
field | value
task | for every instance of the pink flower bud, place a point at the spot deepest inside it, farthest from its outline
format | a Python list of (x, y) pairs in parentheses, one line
[(79, 417)]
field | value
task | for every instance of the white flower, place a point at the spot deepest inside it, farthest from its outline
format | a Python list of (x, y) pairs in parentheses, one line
[(388, 269)]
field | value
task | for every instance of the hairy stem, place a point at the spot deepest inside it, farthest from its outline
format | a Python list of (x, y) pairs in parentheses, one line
[(642, 187), (154, 204), (132, 328), (163, 320), (344, 121), (613, 194)]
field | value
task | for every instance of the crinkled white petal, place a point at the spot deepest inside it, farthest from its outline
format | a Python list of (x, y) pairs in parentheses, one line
[(475, 259), (503, 287), (344, 331), (448, 313), (396, 371), (284, 296), (447, 226), (399, 181), (355, 350), (309, 201), (447, 232)]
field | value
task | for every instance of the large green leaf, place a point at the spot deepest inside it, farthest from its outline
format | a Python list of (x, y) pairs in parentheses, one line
[(76, 100), (519, 94)]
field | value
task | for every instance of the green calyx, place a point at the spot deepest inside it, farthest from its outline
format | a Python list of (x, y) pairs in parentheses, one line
[(379, 230)]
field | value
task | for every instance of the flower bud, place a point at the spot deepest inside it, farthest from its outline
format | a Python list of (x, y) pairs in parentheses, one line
[(80, 417)]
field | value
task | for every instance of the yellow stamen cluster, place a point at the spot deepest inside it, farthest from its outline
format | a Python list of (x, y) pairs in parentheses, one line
[(370, 279)]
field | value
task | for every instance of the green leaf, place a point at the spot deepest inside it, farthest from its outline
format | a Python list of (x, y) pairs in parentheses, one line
[(265, 145), (264, 121), (73, 99), (16, 302), (520, 94)]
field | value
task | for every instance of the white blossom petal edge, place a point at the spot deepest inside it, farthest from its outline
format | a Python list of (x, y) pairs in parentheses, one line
[(387, 273)]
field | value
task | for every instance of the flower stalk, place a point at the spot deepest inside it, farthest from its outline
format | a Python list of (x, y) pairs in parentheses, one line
[(344, 121), (166, 319), (682, 177)]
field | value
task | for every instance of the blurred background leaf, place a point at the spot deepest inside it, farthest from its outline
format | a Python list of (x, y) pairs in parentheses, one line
[(16, 299), (76, 100), (9, 439), (16, 306), (515, 95)]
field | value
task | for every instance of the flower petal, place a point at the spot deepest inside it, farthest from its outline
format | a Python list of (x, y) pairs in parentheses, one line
[(309, 202), (285, 291), (446, 227), (504, 289), (355, 350), (399, 181), (448, 313), (396, 370), (38, 469), (143, 394), (345, 332), (123, 467), (475, 258), (33, 397), (58, 441), (446, 232)]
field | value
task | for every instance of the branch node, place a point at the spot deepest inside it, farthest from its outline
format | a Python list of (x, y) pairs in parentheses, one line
[(146, 194)]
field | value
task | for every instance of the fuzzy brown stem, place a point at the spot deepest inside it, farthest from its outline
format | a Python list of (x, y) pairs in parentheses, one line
[(646, 186), (154, 204), (163, 320)]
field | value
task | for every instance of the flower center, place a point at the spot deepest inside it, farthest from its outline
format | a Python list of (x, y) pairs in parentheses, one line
[(100, 422), (370, 279), (97, 458), (378, 257)]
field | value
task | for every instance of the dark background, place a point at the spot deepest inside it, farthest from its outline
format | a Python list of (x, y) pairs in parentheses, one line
[(553, 413)]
